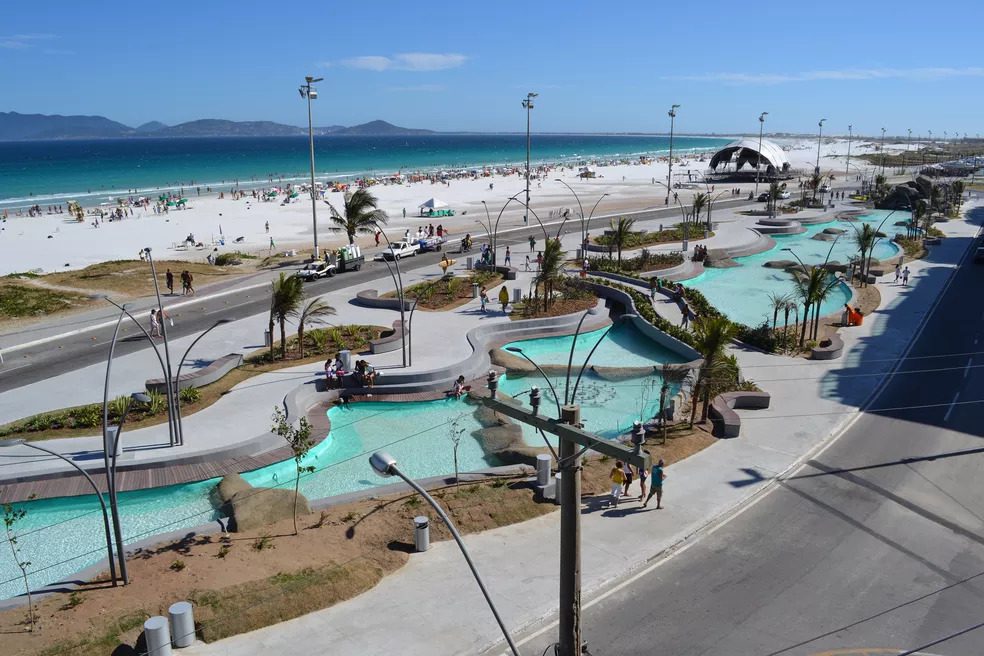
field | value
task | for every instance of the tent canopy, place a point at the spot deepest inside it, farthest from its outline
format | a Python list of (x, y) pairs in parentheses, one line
[(745, 152), (432, 204)]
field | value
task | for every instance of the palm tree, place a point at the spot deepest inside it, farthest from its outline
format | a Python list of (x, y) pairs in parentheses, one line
[(288, 292), (957, 189), (361, 215), (791, 306), (778, 302), (711, 335), (621, 229), (865, 240), (823, 291), (699, 203), (673, 375), (313, 313), (918, 212), (774, 191), (808, 291), (551, 269), (814, 183), (935, 198)]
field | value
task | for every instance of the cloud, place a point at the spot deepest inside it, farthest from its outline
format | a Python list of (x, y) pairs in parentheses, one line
[(836, 75), (407, 61), (23, 41), (419, 88)]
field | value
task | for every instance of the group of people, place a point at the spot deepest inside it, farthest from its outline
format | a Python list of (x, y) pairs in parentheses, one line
[(700, 253), (622, 476), (365, 374), (157, 319), (483, 299), (187, 282)]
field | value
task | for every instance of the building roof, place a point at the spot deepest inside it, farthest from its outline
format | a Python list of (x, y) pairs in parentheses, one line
[(745, 151)]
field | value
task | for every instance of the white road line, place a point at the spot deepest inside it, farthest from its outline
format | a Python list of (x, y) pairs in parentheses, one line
[(953, 404), (967, 368), (7, 370)]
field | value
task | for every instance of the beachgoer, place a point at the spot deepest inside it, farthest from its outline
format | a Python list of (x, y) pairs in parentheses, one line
[(405, 215), (268, 227), (483, 298), (617, 477), (445, 263), (643, 475), (155, 324), (527, 262), (458, 388), (905, 277), (627, 471), (184, 283), (504, 298), (653, 285), (169, 281), (658, 476), (532, 243), (508, 257), (331, 373), (898, 273), (272, 245), (189, 280), (539, 260)]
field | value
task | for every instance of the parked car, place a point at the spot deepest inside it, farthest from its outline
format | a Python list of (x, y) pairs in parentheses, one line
[(315, 270), (824, 188), (979, 255), (784, 195), (763, 197), (399, 249)]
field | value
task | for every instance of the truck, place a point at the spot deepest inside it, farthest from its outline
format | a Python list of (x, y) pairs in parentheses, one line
[(349, 258), (315, 270), (431, 244), (398, 249)]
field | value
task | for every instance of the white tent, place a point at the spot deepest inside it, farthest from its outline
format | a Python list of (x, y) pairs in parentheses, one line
[(433, 204)]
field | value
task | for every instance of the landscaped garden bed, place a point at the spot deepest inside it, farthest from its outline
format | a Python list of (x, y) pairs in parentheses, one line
[(449, 291)]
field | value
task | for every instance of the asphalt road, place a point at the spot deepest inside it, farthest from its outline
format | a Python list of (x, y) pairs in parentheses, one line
[(876, 546), (29, 365)]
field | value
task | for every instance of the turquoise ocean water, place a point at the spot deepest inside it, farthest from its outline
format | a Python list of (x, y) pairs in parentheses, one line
[(93, 171)]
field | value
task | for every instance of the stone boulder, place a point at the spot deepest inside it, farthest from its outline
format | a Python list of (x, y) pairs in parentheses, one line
[(834, 231), (779, 264), (822, 236), (250, 508), (899, 197)]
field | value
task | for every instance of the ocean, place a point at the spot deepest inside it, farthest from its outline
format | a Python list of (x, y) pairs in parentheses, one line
[(96, 171)]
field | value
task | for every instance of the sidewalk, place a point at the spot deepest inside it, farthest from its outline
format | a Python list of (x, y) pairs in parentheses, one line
[(432, 605)]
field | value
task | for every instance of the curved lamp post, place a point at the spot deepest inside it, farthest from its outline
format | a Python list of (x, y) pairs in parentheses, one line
[(669, 171), (494, 228), (528, 105), (167, 353), (516, 349), (398, 280), (584, 223), (177, 377), (850, 136), (819, 138), (95, 489), (307, 91), (385, 465)]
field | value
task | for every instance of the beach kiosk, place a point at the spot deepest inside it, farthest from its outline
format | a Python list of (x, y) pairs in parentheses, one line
[(435, 207)]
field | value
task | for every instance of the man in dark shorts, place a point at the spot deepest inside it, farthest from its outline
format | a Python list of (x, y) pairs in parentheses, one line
[(657, 485)]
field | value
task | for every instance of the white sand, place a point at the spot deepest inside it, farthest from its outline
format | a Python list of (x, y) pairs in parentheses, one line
[(52, 243)]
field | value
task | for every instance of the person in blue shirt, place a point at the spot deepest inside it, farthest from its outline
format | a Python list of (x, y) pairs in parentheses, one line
[(656, 482)]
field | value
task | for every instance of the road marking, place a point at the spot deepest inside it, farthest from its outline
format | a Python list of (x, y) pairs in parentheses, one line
[(953, 404), (7, 370), (967, 368)]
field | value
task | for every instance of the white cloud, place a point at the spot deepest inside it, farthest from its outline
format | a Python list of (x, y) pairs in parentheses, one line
[(407, 61), (22, 41), (847, 74)]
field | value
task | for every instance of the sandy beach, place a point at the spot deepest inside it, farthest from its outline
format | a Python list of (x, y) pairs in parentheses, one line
[(48, 243)]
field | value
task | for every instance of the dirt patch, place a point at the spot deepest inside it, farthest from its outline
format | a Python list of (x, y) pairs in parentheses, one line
[(245, 581), (867, 298)]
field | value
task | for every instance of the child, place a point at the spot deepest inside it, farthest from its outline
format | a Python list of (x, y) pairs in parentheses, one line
[(617, 477)]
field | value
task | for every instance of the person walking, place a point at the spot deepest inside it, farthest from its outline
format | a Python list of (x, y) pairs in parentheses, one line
[(169, 281), (657, 485), (643, 475), (532, 243), (190, 279), (508, 257), (483, 299), (527, 262), (155, 324), (617, 477), (377, 235), (653, 286), (627, 471), (504, 298), (272, 246), (905, 277), (539, 260), (898, 273), (184, 283)]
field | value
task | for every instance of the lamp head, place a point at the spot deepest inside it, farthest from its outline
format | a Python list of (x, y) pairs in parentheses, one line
[(6, 443), (592, 311), (382, 463), (762, 117), (140, 397), (822, 121), (300, 90)]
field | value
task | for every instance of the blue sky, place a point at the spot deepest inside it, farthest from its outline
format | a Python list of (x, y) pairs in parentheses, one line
[(598, 66)]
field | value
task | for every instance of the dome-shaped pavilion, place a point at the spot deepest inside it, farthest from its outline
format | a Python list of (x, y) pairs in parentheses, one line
[(745, 153)]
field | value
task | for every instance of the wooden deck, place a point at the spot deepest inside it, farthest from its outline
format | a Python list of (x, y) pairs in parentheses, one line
[(155, 475)]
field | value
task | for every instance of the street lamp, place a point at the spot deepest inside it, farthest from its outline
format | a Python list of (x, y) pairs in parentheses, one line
[(95, 488), (398, 281), (177, 377), (494, 228), (163, 324), (758, 159), (385, 465), (908, 145), (528, 105), (819, 138), (669, 171), (883, 151), (585, 224), (309, 92), (850, 135)]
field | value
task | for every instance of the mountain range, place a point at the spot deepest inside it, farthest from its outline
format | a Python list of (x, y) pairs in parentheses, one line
[(31, 127)]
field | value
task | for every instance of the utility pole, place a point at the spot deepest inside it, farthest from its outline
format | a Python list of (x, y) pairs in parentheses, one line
[(908, 145), (307, 91), (528, 104), (816, 170), (883, 152), (758, 160), (850, 134), (669, 172)]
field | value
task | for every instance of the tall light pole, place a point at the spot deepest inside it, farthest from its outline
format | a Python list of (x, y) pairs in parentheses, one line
[(177, 376), (398, 281), (385, 465), (528, 105), (171, 393), (758, 159), (669, 171), (908, 145), (585, 223), (850, 135), (309, 92), (816, 170), (883, 151)]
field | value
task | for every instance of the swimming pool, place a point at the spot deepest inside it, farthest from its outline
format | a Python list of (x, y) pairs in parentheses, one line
[(742, 293), (61, 536)]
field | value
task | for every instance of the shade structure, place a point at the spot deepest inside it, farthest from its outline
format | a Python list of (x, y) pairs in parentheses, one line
[(746, 152), (432, 204)]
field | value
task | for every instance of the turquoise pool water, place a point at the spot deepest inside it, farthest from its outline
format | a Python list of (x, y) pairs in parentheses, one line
[(742, 293), (62, 536)]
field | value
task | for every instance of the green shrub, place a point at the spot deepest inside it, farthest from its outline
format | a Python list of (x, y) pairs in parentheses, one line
[(228, 259), (760, 337), (158, 403), (190, 395), (88, 416), (118, 406)]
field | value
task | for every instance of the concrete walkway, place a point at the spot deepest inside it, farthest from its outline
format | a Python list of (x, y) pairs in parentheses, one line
[(432, 605)]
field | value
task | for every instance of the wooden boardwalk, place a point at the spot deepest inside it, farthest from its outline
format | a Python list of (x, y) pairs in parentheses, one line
[(157, 475)]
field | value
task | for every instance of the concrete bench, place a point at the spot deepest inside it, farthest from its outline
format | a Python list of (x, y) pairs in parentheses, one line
[(199, 377), (389, 340), (508, 273), (371, 298), (831, 351), (722, 413)]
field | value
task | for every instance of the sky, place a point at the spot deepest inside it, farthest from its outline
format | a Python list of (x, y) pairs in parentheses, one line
[(466, 66)]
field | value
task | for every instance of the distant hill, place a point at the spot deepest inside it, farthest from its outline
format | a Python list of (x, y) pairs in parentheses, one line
[(18, 127), (151, 126), (379, 128)]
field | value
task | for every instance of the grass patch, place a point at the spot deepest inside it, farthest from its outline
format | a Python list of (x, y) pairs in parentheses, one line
[(19, 300), (569, 296), (644, 238), (124, 629), (449, 291), (133, 277), (641, 263), (281, 597)]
